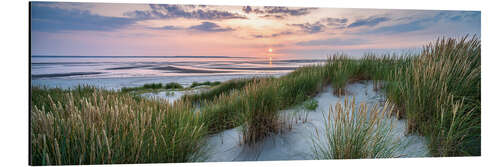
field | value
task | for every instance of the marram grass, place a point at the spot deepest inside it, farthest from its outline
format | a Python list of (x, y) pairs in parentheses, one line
[(437, 91), (440, 94), (102, 127), (260, 117), (354, 133), (219, 89)]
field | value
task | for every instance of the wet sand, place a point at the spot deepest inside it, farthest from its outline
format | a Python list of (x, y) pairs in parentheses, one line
[(64, 74), (185, 70)]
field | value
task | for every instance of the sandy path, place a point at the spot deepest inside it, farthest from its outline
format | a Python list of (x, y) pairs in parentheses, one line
[(297, 143)]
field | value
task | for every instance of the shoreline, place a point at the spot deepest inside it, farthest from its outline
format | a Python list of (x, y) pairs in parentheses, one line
[(117, 83)]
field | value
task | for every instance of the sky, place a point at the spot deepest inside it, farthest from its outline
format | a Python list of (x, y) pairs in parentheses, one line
[(114, 29)]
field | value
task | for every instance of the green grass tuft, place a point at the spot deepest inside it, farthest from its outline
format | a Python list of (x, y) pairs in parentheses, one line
[(196, 84), (354, 133), (153, 86), (219, 89), (173, 85), (311, 104)]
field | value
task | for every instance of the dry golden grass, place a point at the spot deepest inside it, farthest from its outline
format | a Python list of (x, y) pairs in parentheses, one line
[(109, 127), (440, 93)]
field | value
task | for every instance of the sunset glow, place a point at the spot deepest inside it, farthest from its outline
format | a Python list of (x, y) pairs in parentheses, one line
[(97, 29), (166, 83)]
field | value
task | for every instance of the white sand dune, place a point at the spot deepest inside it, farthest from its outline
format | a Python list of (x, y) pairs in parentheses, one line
[(297, 144)]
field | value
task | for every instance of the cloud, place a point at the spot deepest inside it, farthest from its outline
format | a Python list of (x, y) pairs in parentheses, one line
[(416, 24), (372, 21), (210, 27), (288, 11), (168, 27), (322, 25), (277, 12), (335, 21), (166, 11), (273, 35), (311, 28), (460, 16), (333, 42), (279, 17), (203, 27), (247, 9), (53, 19), (465, 16), (400, 28)]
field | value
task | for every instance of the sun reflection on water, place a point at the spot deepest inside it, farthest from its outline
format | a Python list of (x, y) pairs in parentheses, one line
[(270, 60)]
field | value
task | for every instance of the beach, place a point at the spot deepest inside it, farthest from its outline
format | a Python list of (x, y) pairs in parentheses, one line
[(115, 72)]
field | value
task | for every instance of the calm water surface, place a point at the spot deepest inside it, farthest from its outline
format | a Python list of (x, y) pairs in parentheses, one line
[(113, 72)]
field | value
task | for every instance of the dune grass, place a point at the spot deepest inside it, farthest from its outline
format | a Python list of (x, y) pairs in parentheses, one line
[(256, 109), (354, 133), (301, 85), (153, 86), (440, 94), (93, 126), (173, 85), (340, 70), (438, 91), (260, 112), (219, 89), (195, 84)]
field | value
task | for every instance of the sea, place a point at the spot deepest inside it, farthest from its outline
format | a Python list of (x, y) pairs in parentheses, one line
[(115, 72)]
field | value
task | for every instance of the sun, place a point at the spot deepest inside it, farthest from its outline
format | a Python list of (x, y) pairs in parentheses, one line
[(270, 50)]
